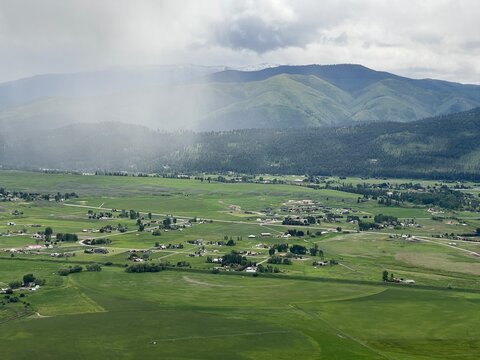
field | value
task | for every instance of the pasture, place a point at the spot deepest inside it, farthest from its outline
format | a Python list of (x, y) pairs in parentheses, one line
[(341, 311)]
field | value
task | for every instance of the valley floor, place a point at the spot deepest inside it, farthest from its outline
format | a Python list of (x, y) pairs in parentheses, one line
[(342, 311)]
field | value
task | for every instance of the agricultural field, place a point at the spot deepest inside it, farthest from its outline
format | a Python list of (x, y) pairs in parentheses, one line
[(152, 267)]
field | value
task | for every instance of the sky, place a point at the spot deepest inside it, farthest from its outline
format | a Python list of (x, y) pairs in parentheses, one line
[(422, 38)]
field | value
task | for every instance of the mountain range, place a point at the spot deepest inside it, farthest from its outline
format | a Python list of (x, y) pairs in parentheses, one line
[(335, 119), (217, 98)]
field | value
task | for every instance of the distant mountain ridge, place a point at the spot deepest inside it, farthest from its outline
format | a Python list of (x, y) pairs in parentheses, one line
[(368, 95), (348, 77), (95, 83), (215, 98)]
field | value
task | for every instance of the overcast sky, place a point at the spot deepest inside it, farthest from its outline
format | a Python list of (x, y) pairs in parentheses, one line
[(429, 38)]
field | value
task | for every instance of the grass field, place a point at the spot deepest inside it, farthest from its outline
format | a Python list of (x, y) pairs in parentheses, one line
[(178, 315), (310, 312)]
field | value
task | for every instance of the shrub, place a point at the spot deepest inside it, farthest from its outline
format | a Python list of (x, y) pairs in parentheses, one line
[(15, 284), (94, 267), (70, 270), (63, 272), (76, 269), (183, 264)]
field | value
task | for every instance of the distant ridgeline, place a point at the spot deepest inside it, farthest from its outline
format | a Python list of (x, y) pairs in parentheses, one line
[(208, 99), (445, 147)]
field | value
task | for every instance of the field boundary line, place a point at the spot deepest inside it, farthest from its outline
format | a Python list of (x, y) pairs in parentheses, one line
[(224, 335)]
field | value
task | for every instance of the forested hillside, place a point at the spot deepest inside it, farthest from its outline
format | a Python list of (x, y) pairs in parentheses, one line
[(445, 147)]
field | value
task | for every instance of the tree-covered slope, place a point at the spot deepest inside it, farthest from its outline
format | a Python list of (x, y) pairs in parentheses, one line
[(445, 146)]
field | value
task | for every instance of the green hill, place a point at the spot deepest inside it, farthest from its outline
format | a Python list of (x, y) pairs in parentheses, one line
[(281, 97)]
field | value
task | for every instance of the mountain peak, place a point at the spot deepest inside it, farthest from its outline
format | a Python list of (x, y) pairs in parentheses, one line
[(349, 77)]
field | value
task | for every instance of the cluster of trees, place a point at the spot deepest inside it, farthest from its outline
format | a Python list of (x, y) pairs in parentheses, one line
[(389, 277), (70, 270), (267, 269), (6, 195), (366, 226), (279, 260), (315, 251), (395, 195), (48, 233), (168, 222), (101, 241), (295, 249), (380, 219), (134, 255), (145, 267), (99, 215), (297, 221), (94, 267), (67, 237), (295, 232), (442, 197), (234, 258), (26, 280), (298, 249), (183, 264), (281, 247)]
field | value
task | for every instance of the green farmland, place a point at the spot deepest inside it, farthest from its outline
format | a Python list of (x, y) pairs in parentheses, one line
[(322, 297)]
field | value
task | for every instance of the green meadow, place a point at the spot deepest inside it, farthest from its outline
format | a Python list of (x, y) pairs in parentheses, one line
[(342, 311)]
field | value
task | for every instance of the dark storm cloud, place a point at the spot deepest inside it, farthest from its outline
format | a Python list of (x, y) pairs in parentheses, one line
[(259, 35)]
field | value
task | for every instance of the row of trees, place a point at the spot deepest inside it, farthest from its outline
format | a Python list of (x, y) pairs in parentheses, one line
[(145, 267)]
